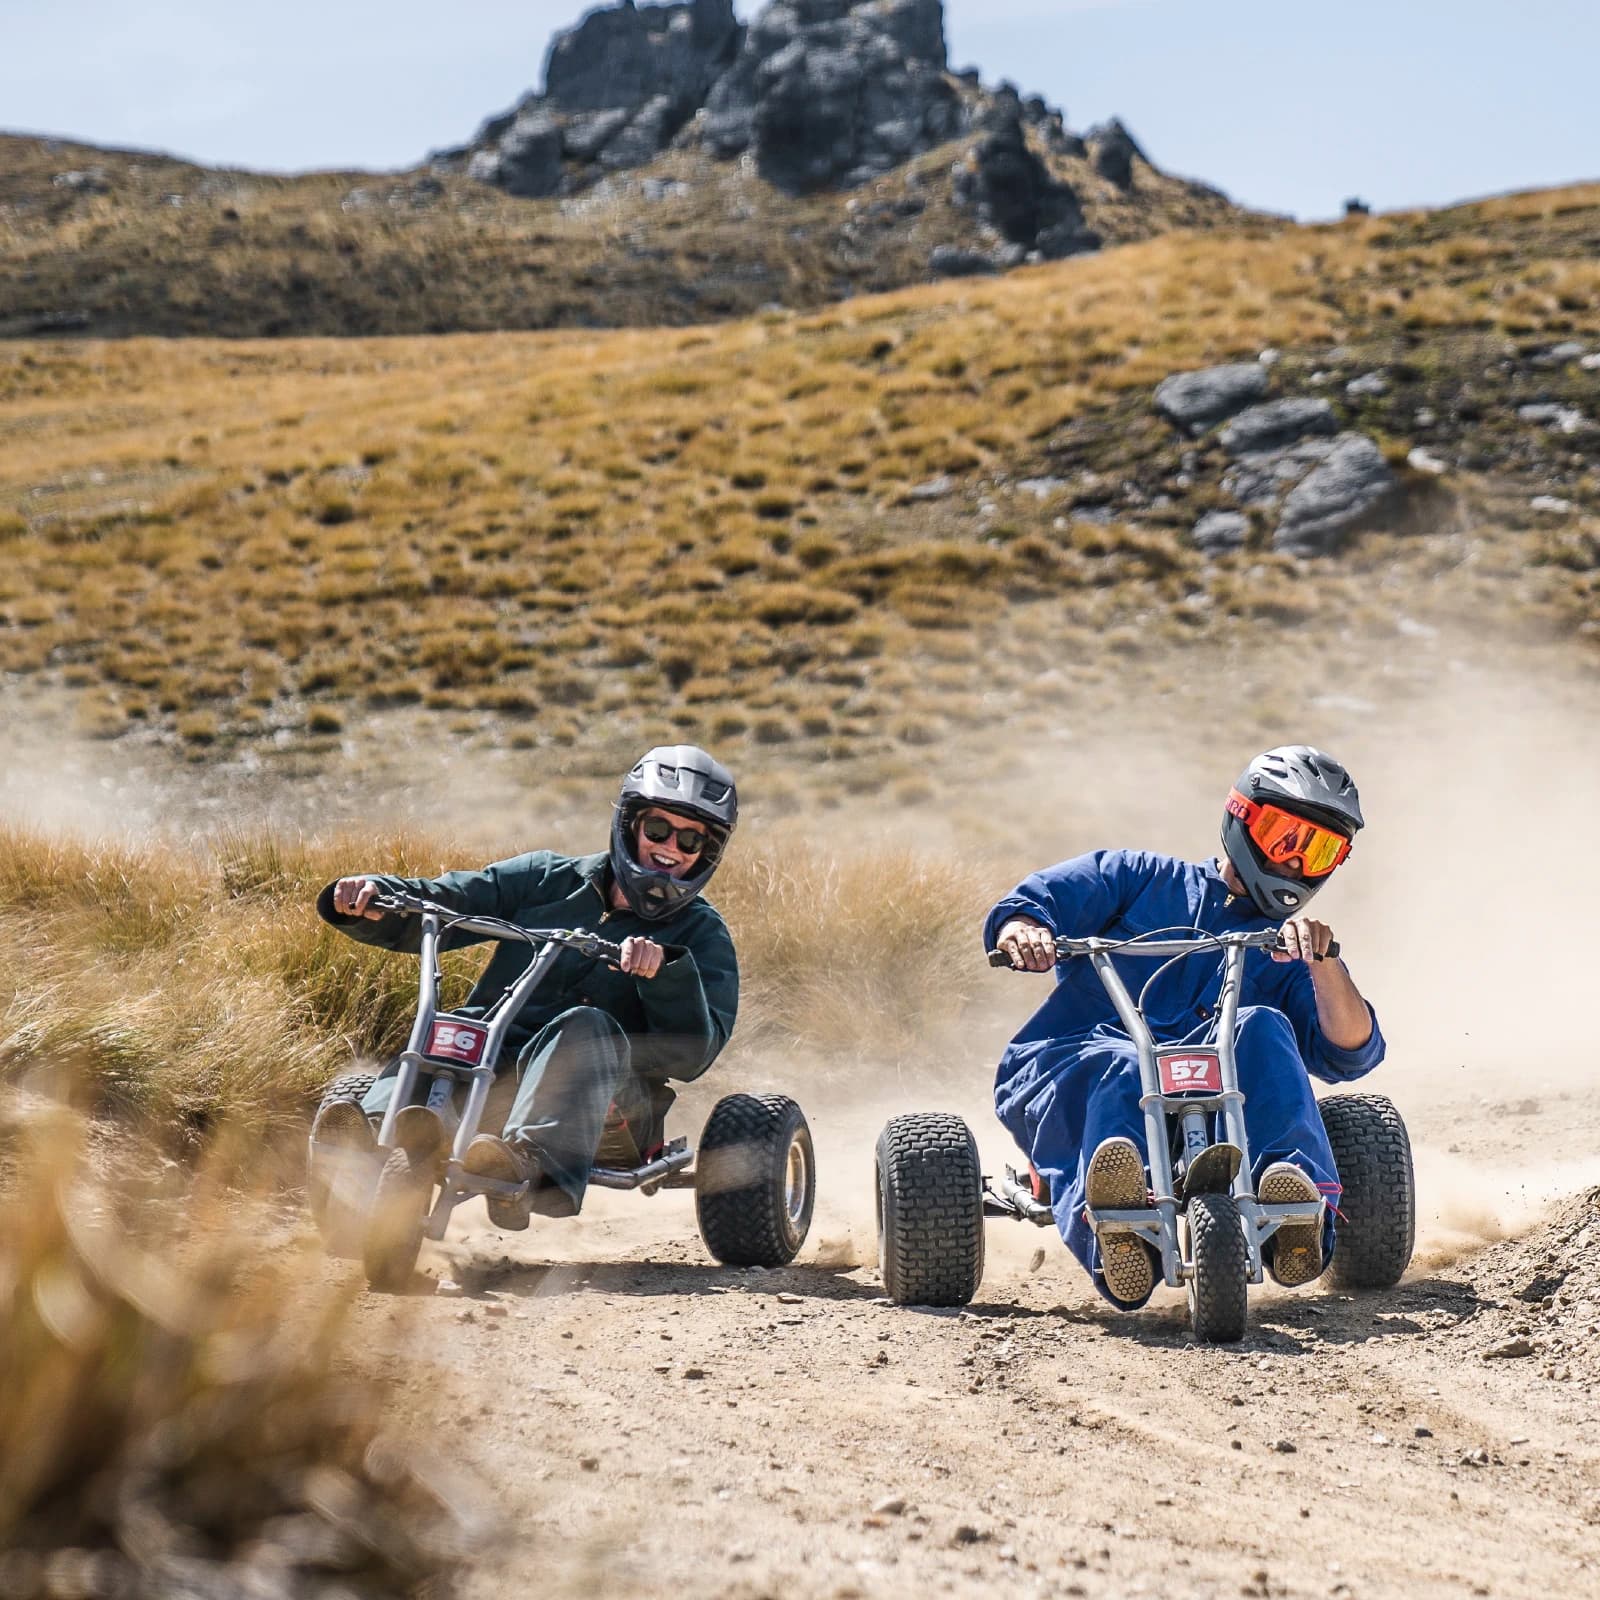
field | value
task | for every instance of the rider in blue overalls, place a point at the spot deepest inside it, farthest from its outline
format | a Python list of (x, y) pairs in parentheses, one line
[(1068, 1085)]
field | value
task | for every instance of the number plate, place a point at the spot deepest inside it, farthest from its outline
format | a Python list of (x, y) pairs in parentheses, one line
[(1190, 1072), (457, 1041)]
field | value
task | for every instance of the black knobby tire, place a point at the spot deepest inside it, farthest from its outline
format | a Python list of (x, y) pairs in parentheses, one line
[(930, 1210), (353, 1087), (755, 1180), (394, 1229), (1376, 1226), (1219, 1291)]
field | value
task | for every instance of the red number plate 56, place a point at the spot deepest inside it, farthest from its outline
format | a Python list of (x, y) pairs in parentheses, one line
[(458, 1041), (1190, 1072)]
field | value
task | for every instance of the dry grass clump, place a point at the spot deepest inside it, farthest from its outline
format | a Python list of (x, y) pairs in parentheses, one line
[(867, 956), (166, 1428), (196, 985)]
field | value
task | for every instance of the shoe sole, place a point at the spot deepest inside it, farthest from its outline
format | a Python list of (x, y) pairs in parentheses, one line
[(1297, 1246), (511, 1215), (1115, 1181)]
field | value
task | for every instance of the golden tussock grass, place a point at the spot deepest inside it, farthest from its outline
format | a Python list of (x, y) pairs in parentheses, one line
[(165, 1426)]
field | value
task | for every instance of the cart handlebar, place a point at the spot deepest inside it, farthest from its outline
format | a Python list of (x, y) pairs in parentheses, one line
[(399, 903), (1066, 949)]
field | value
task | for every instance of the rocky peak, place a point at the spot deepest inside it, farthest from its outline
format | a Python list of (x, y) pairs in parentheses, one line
[(816, 94)]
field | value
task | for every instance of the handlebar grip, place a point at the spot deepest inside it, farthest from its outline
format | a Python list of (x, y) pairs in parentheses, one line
[(1333, 947), (998, 958)]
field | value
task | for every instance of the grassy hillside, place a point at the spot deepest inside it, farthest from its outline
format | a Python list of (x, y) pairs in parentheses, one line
[(150, 245), (840, 531)]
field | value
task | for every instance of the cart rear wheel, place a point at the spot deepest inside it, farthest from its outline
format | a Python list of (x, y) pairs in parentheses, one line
[(1219, 1291), (755, 1180), (1376, 1227), (930, 1210), (394, 1228)]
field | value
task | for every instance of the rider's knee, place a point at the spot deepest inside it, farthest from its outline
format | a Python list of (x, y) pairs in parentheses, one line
[(1261, 1025), (587, 1022)]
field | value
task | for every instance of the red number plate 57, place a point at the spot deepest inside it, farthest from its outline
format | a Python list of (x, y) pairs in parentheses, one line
[(1190, 1072), (458, 1041)]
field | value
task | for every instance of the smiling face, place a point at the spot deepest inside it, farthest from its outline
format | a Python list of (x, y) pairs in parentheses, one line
[(666, 855)]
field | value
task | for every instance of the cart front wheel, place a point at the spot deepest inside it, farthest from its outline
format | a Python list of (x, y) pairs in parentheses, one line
[(1219, 1291), (394, 1228)]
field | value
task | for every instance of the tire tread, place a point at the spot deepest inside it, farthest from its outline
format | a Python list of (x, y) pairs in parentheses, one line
[(739, 1193), (930, 1210), (1376, 1228), (1219, 1304)]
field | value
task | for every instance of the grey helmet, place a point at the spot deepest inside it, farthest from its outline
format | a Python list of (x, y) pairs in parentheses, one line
[(680, 778), (1312, 785)]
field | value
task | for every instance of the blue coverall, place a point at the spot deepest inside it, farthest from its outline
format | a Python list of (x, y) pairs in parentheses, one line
[(1070, 1078)]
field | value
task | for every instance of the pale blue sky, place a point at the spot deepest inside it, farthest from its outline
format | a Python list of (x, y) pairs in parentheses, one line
[(1288, 107)]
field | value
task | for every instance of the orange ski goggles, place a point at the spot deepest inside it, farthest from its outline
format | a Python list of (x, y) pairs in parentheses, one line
[(1287, 840)]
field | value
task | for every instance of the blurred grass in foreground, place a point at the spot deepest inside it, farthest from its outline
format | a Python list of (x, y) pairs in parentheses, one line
[(197, 988), (165, 1428)]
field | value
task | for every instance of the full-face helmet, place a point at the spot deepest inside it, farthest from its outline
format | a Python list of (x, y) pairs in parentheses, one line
[(684, 780), (1290, 819)]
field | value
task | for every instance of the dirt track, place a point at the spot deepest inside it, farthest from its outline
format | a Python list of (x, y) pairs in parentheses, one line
[(651, 1421)]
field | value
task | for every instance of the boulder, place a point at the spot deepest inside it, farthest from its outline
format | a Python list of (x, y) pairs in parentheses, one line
[(87, 180), (1013, 191), (1112, 150), (1196, 401), (951, 261), (527, 159), (618, 89), (1369, 386), (1277, 425), (834, 92), (1220, 531), (1350, 487), (1264, 478), (627, 55)]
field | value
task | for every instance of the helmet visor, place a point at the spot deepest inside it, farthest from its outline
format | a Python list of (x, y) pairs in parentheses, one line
[(1290, 841)]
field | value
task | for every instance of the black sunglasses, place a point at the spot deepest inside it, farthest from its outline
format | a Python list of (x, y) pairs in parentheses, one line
[(691, 841)]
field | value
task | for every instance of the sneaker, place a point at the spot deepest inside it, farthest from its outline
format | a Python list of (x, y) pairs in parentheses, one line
[(1294, 1252), (1115, 1182), (491, 1157)]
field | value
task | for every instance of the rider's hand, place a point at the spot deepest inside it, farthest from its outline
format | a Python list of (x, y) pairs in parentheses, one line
[(1031, 945), (1304, 939), (352, 896), (642, 957)]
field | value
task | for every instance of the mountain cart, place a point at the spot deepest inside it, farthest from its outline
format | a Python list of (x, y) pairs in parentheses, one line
[(754, 1177), (1205, 1222)]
